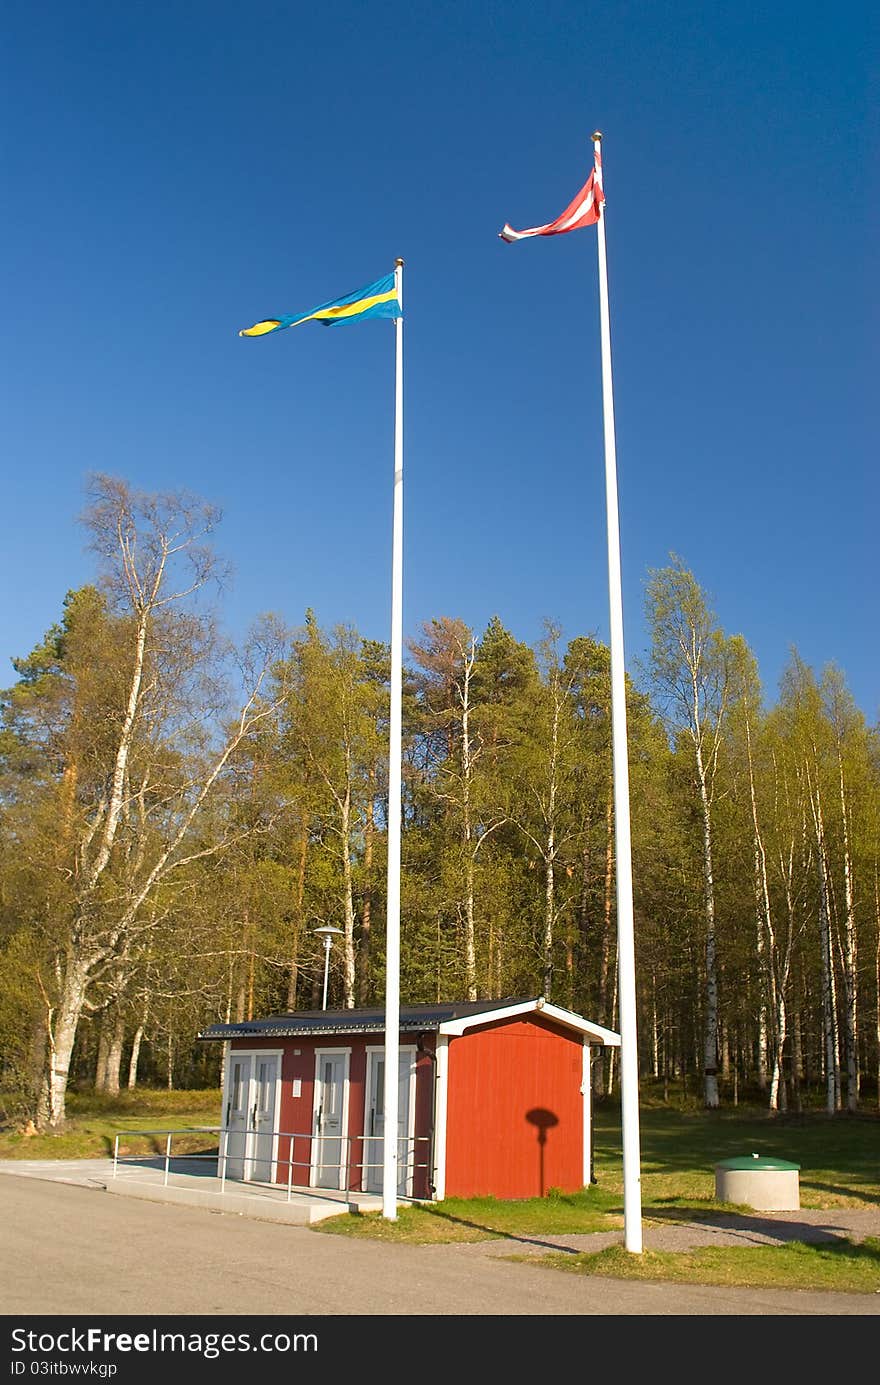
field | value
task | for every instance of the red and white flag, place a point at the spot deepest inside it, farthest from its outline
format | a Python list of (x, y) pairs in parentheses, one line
[(583, 211)]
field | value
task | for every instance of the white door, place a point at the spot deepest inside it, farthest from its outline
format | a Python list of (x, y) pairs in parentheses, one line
[(329, 1166), (375, 1118), (238, 1115), (250, 1116), (264, 1082)]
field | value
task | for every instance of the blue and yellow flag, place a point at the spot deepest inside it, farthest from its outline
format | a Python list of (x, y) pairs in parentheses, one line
[(376, 300)]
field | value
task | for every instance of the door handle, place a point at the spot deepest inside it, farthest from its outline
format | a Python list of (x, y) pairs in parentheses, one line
[(254, 1117), (228, 1110)]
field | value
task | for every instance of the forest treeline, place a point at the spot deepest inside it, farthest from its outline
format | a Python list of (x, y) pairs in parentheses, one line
[(177, 817)]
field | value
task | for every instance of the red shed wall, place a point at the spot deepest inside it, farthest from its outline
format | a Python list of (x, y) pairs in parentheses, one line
[(514, 1123)]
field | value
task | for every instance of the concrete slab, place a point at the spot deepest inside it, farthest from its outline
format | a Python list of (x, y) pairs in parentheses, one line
[(146, 1180)]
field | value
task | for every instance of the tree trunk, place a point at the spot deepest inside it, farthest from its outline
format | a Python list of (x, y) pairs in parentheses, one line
[(298, 918), (249, 954), (470, 947), (601, 1066), (102, 1051), (114, 1052), (549, 912), (135, 1055), (849, 958), (61, 1038), (570, 942), (367, 911), (829, 989), (347, 899), (710, 1032), (550, 846)]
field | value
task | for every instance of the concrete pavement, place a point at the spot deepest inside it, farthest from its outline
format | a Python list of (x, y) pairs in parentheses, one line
[(70, 1249)]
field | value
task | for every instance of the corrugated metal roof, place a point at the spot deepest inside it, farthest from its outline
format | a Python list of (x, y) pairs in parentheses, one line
[(364, 1021)]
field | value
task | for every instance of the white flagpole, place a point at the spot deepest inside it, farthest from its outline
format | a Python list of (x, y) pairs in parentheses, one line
[(629, 1067), (395, 756)]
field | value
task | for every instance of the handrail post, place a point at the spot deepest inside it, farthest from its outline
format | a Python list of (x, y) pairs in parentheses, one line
[(290, 1169), (224, 1135), (167, 1157), (115, 1154)]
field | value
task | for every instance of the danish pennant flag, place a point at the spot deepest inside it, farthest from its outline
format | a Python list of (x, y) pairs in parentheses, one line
[(583, 211)]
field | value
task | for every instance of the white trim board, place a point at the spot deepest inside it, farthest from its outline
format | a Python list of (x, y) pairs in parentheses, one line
[(567, 1018)]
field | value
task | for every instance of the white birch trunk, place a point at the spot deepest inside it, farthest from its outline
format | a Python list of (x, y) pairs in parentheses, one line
[(849, 956), (710, 1033), (549, 915), (135, 1057), (829, 992), (347, 893), (550, 847), (62, 1036), (470, 948)]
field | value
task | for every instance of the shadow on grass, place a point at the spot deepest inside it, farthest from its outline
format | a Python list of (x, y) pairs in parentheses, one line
[(746, 1224), (848, 1191), (494, 1233)]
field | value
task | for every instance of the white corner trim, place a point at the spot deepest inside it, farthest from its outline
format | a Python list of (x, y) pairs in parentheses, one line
[(587, 1095), (594, 1032), (441, 1092)]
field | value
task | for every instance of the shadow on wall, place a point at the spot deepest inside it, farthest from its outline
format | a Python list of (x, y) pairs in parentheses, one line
[(544, 1120)]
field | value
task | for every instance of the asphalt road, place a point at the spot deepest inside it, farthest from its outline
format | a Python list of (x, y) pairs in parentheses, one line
[(70, 1250)]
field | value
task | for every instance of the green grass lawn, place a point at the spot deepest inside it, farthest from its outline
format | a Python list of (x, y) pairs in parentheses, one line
[(94, 1120), (845, 1267), (481, 1218), (840, 1167), (839, 1157)]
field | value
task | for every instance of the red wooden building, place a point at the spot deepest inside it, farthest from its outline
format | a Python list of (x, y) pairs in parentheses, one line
[(494, 1098)]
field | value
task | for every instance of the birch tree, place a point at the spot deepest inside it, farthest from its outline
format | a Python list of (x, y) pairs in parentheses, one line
[(802, 699), (333, 723), (543, 765), (136, 750), (446, 658), (849, 734), (690, 666)]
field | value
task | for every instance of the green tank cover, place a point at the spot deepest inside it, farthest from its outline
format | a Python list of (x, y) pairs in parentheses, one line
[(756, 1161)]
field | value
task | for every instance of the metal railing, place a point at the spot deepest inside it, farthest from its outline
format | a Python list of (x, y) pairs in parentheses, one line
[(346, 1166)]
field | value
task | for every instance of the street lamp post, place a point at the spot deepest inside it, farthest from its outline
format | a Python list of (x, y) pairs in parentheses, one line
[(326, 932)]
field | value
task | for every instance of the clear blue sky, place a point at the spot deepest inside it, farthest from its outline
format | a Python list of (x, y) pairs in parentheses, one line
[(173, 172)]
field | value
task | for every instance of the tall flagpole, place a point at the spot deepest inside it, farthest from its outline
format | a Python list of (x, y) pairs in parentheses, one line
[(395, 756), (629, 1067)]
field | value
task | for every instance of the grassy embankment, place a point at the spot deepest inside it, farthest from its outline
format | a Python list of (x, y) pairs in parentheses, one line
[(93, 1121)]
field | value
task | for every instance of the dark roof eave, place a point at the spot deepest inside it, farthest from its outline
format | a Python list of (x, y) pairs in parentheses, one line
[(281, 1031), (413, 1019)]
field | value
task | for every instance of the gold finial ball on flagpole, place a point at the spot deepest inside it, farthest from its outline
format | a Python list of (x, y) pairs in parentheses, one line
[(597, 135), (398, 262)]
